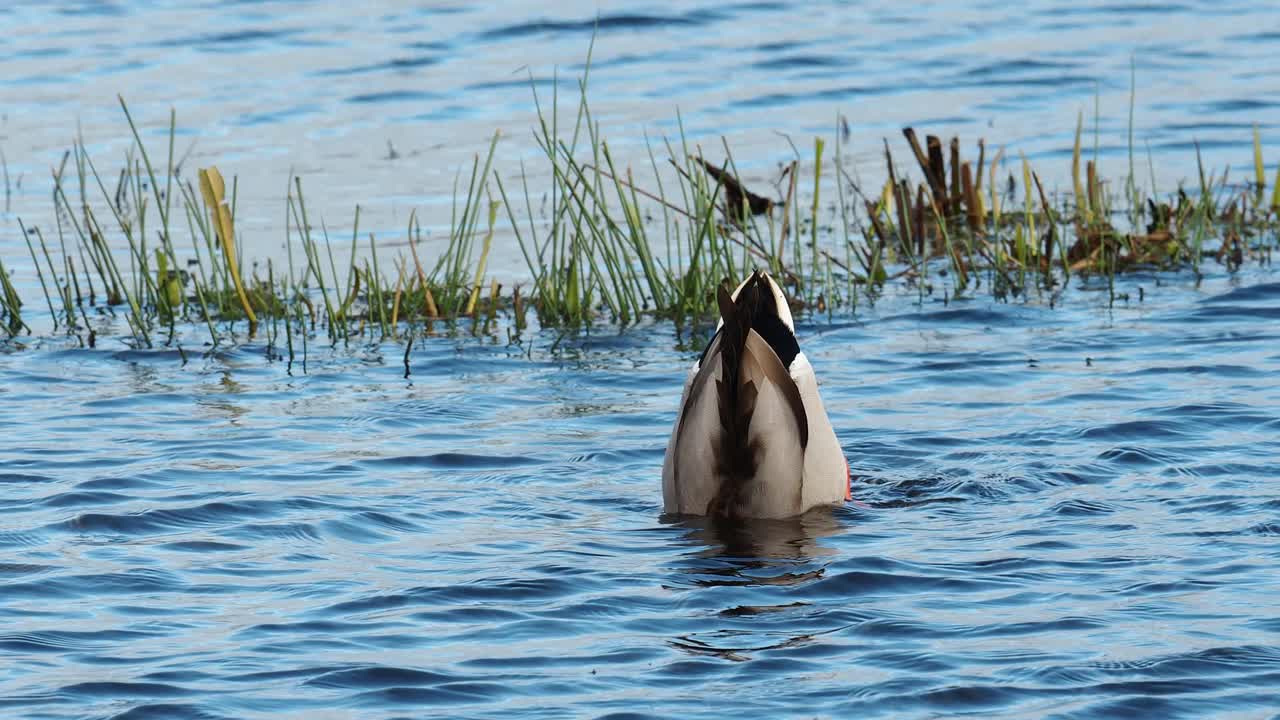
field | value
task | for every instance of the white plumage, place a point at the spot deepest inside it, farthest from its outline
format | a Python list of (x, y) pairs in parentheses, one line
[(752, 438)]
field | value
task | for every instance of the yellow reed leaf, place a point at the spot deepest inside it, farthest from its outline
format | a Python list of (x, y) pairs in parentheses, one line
[(214, 191)]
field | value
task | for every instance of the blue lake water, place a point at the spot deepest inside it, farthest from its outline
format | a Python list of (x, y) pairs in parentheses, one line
[(267, 89), (1061, 510), (1064, 512)]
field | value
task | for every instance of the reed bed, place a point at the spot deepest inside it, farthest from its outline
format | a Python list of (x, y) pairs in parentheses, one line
[(614, 244)]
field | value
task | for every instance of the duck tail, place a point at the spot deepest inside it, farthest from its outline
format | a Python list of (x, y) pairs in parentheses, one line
[(747, 361)]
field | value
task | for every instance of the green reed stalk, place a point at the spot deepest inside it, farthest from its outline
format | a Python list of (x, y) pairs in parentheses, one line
[(40, 274)]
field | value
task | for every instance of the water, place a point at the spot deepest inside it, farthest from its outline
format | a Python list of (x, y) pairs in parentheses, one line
[(265, 89), (1062, 511)]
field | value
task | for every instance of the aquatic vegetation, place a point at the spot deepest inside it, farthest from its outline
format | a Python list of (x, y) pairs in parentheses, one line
[(615, 244)]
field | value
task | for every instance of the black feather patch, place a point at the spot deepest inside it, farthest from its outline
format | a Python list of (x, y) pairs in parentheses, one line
[(767, 322), (779, 336)]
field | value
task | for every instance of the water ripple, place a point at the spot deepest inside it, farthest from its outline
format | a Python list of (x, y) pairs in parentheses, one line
[(1059, 512)]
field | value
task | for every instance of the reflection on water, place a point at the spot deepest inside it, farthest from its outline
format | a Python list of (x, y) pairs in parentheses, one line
[(751, 554), (793, 539)]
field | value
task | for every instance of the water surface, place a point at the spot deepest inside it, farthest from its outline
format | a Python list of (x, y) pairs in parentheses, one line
[(1060, 513), (384, 107)]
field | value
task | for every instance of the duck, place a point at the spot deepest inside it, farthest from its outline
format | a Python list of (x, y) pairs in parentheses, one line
[(752, 439)]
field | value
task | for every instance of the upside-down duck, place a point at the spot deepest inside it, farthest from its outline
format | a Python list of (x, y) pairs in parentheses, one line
[(752, 438)]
